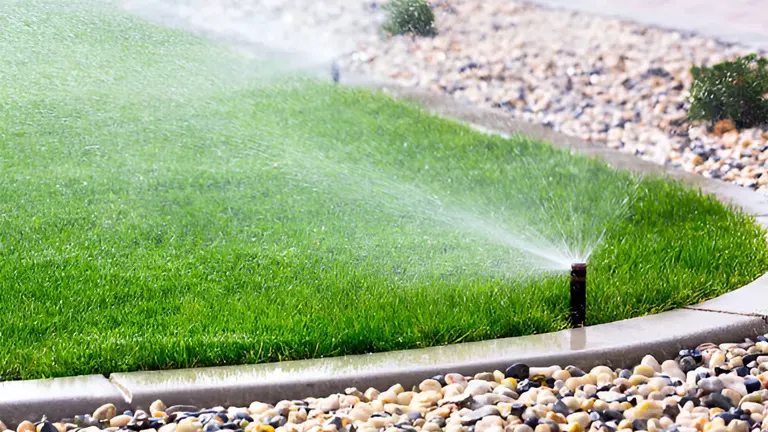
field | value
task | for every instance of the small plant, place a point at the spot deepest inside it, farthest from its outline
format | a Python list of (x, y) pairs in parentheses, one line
[(410, 16), (733, 90)]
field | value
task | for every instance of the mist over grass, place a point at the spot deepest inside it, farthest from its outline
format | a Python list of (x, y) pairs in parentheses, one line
[(168, 202)]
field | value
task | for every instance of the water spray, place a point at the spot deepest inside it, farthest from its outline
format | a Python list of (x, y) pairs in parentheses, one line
[(578, 295)]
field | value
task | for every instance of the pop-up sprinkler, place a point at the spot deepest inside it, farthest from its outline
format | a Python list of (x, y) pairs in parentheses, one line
[(578, 295)]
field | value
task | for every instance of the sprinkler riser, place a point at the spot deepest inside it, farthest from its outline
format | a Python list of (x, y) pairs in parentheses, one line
[(578, 312)]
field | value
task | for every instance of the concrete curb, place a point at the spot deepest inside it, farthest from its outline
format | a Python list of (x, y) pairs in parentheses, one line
[(623, 343)]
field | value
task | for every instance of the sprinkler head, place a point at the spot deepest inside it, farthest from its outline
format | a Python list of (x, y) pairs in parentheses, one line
[(335, 72), (578, 315)]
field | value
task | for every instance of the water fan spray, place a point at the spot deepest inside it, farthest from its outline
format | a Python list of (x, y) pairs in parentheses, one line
[(578, 315)]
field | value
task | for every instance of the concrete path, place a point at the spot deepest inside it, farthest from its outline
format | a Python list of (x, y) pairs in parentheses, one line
[(740, 21)]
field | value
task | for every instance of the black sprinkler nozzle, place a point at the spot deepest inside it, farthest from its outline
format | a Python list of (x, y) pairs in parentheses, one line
[(578, 315)]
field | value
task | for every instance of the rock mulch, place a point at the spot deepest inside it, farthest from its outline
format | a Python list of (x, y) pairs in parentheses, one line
[(712, 388), (603, 80)]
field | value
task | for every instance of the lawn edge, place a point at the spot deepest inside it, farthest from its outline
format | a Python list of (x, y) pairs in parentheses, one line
[(729, 317)]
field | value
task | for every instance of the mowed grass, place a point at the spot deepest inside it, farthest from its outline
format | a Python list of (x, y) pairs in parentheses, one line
[(166, 202)]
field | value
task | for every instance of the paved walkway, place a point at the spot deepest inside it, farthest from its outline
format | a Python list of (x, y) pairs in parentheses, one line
[(742, 21)]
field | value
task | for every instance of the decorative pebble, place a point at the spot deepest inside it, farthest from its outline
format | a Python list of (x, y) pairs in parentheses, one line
[(26, 426), (119, 421), (104, 412), (561, 69), (603, 400), (518, 371)]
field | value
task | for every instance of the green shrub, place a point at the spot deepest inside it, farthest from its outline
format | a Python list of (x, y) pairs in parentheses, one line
[(733, 90), (410, 16)]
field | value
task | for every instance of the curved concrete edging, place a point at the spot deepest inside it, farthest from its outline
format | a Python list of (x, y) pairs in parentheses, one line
[(622, 343)]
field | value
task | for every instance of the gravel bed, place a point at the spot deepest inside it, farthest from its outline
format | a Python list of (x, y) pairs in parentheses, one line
[(603, 80), (712, 388)]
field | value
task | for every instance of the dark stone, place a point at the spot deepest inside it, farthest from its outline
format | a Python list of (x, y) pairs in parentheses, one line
[(671, 411), (476, 415), (181, 409), (525, 385), (405, 428), (561, 408), (205, 418), (549, 382), (229, 425), (518, 371), (640, 424), (138, 425), (632, 400), (128, 413), (761, 338), (439, 421), (657, 72), (749, 358), (402, 423), (727, 417), (380, 414), (518, 409), (532, 422), (334, 421), (742, 371), (469, 66), (672, 428), (612, 415), (277, 421), (156, 422), (720, 371), (696, 355), (243, 416), (48, 427), (717, 400), (440, 379), (211, 427), (625, 373), (629, 83), (752, 385)]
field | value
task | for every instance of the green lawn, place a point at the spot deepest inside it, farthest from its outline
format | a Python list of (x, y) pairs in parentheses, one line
[(166, 202)]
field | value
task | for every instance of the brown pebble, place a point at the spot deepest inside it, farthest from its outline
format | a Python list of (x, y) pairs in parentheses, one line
[(26, 426), (156, 406), (119, 421), (105, 412), (723, 126)]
